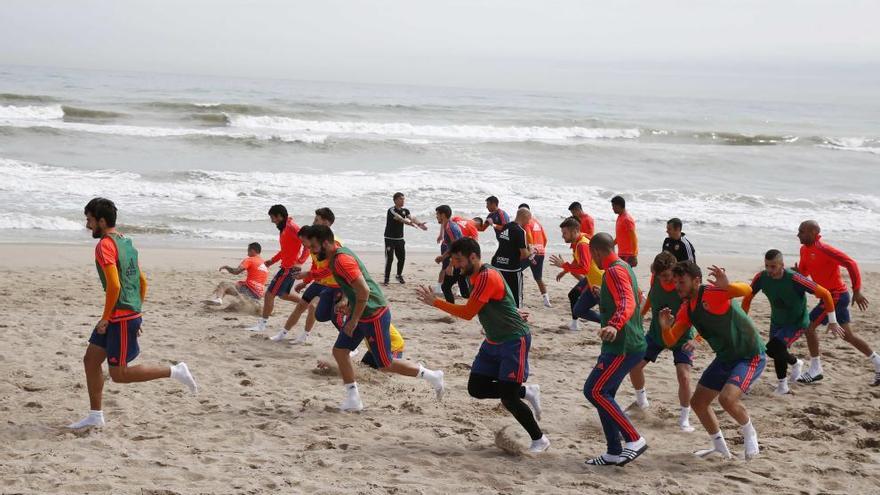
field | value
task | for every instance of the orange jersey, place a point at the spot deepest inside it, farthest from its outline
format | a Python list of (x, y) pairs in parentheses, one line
[(468, 227), (625, 235), (822, 263), (588, 226), (584, 264), (536, 237), (106, 254), (292, 251), (257, 273)]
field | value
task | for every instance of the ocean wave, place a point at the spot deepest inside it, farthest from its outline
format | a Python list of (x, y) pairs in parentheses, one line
[(739, 139), (857, 144), (31, 113), (26, 221), (88, 113), (17, 97), (183, 106)]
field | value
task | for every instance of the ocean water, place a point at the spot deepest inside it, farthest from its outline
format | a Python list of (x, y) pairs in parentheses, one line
[(197, 161)]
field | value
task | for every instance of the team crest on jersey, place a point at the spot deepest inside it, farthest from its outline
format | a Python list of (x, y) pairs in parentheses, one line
[(511, 375)]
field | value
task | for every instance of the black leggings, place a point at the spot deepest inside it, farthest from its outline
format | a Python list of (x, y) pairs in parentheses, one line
[(511, 395), (394, 247), (781, 357), (450, 280)]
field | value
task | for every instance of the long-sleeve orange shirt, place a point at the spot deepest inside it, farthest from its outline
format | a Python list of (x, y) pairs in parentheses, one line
[(822, 263), (292, 251)]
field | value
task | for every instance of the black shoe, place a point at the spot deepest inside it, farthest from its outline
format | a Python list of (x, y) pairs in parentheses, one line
[(876, 379), (808, 378), (385, 282), (400, 279)]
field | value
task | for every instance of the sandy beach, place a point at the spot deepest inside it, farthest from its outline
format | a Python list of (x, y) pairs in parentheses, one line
[(266, 422)]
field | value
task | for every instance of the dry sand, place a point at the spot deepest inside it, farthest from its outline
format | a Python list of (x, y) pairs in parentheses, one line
[(266, 422)]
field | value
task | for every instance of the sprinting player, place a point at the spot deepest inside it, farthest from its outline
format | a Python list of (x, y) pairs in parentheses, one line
[(623, 346), (536, 238), (497, 218), (786, 289), (115, 337), (318, 279), (292, 255), (662, 295), (502, 363), (397, 217), (252, 287), (739, 352), (587, 224), (585, 294), (625, 233), (676, 242), (368, 317), (397, 347), (450, 232), (469, 227), (822, 263), (512, 253)]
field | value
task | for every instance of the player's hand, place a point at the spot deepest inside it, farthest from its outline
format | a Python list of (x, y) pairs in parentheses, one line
[(489, 221), (689, 346), (268, 263), (425, 294), (836, 330), (341, 306), (607, 333), (559, 277), (299, 287), (859, 300), (301, 275), (524, 314), (438, 259), (423, 226), (665, 318), (795, 267), (595, 290), (556, 260), (101, 327), (718, 277), (349, 327)]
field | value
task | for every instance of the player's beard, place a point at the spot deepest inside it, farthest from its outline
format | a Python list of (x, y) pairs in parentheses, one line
[(97, 233), (468, 269), (321, 254), (281, 225)]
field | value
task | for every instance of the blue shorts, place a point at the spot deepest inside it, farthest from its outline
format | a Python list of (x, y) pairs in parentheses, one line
[(679, 355), (370, 361), (786, 333), (742, 373), (377, 331), (841, 309), (282, 283), (506, 361), (537, 267), (327, 305), (120, 341), (246, 291), (312, 291)]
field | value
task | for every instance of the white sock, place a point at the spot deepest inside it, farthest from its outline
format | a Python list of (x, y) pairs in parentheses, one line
[(642, 398), (95, 418), (750, 439), (815, 366), (573, 325), (180, 372), (637, 444), (875, 358), (546, 298), (720, 444), (351, 389), (684, 416)]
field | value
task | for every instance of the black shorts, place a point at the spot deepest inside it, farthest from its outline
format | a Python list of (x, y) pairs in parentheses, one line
[(538, 267)]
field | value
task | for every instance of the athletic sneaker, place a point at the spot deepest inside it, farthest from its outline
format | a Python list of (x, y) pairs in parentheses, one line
[(400, 279), (782, 387), (796, 370), (808, 378), (351, 403), (546, 298), (876, 379), (301, 338), (95, 418), (573, 326), (214, 302), (278, 337), (385, 282), (539, 445), (259, 326)]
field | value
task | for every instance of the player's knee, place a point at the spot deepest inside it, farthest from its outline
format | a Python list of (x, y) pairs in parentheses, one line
[(727, 400), (591, 393), (118, 375), (775, 348), (475, 390)]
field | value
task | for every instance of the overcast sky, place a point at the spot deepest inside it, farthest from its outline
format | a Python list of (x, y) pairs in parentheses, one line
[(499, 43)]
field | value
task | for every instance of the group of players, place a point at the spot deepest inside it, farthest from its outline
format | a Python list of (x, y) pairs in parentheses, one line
[(338, 289)]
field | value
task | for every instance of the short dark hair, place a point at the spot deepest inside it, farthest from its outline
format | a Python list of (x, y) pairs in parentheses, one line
[(663, 261), (478, 220), (256, 247), (321, 233), (465, 247), (575, 206), (570, 223), (492, 199), (674, 222), (602, 242), (619, 201), (278, 211), (304, 231), (772, 254), (326, 214), (444, 209), (524, 205), (102, 208), (397, 195), (687, 267)]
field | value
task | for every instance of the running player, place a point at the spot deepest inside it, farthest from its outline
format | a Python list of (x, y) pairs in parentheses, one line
[(115, 337), (623, 346), (254, 284), (502, 363), (368, 317), (587, 225), (625, 233), (318, 279), (292, 255), (469, 227), (739, 352), (513, 253), (786, 289), (585, 294), (396, 218), (536, 238), (822, 263), (661, 295), (450, 232), (497, 218), (677, 243)]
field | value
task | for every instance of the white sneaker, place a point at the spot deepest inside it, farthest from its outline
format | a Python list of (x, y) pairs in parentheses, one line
[(642, 401), (686, 427), (573, 326), (354, 353), (278, 337), (547, 301), (750, 441), (782, 387), (258, 327), (436, 380), (214, 302), (533, 397), (95, 419), (539, 445), (351, 403), (181, 373), (796, 369), (301, 338)]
